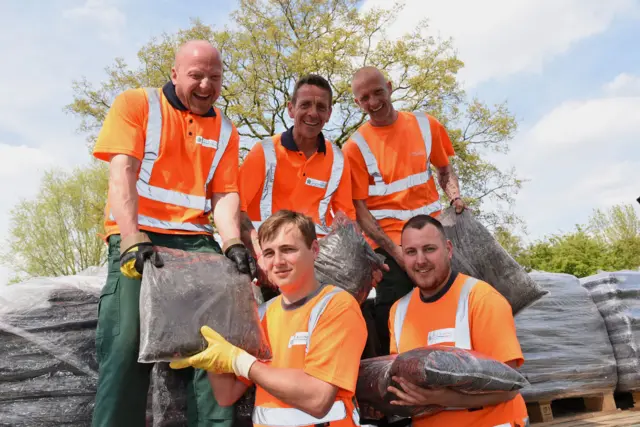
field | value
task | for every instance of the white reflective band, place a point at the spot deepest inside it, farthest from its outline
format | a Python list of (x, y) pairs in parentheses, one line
[(266, 201), (226, 128), (171, 197), (317, 311), (154, 133), (379, 187), (337, 167), (526, 422), (262, 309), (503, 425), (167, 225), (405, 215), (296, 417), (256, 224), (462, 330)]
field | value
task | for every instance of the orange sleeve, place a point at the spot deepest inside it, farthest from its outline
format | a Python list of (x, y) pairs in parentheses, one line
[(337, 343), (393, 349), (225, 179), (441, 147), (251, 176), (342, 199), (124, 128), (493, 329), (359, 173)]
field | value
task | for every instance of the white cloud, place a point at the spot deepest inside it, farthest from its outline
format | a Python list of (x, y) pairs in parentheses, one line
[(497, 38), (106, 15), (580, 156), (624, 85)]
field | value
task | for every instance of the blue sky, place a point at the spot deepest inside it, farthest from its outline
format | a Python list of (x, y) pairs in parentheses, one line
[(569, 69)]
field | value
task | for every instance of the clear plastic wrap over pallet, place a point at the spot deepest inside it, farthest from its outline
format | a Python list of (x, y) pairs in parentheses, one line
[(565, 342), (433, 366), (477, 253), (193, 289), (617, 296)]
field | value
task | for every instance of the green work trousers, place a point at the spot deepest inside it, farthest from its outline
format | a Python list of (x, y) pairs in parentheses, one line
[(121, 399)]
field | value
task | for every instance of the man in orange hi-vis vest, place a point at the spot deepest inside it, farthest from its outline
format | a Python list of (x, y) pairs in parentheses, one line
[(390, 158), (450, 308), (316, 333), (173, 161)]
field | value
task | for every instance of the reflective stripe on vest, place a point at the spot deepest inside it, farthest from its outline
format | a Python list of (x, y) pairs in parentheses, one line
[(462, 331), (168, 225), (152, 149), (292, 416), (380, 188), (266, 201)]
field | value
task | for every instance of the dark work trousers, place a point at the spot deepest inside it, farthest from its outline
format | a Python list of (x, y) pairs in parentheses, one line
[(121, 398)]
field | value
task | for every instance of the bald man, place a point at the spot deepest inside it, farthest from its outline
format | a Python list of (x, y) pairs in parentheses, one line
[(390, 158), (173, 161)]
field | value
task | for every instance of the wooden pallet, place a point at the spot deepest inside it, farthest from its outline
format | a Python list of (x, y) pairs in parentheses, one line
[(628, 418), (543, 411)]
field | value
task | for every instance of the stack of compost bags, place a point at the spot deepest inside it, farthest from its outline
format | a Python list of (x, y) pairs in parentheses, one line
[(346, 260), (435, 366), (617, 296), (476, 253), (565, 343)]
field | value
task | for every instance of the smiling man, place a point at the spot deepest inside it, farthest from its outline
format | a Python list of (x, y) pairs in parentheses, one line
[(173, 162), (298, 169), (450, 308), (390, 158), (316, 333)]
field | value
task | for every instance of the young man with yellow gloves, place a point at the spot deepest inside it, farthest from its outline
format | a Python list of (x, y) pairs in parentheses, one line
[(317, 334)]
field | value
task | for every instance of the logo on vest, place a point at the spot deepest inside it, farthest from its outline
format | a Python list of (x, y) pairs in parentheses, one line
[(299, 338), (441, 335), (209, 143), (316, 183)]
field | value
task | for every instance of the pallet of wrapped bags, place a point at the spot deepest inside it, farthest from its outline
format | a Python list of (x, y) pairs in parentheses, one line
[(434, 366), (346, 260), (617, 296), (478, 254), (193, 289), (564, 340)]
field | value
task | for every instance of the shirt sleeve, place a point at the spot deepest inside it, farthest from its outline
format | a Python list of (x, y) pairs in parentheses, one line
[(493, 329), (251, 176), (342, 199), (359, 173), (124, 129), (225, 178), (441, 147), (337, 344), (393, 349)]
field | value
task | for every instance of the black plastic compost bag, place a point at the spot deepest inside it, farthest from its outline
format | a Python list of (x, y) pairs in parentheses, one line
[(193, 289)]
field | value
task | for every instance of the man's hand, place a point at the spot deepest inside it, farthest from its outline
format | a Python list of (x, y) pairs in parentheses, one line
[(412, 395), (237, 252), (220, 357), (134, 251), (459, 205), (378, 275)]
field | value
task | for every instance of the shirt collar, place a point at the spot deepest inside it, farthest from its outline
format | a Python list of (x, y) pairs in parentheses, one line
[(169, 91), (441, 292), (288, 142)]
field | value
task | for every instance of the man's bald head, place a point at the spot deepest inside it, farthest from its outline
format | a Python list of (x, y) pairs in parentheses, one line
[(197, 75), (372, 92)]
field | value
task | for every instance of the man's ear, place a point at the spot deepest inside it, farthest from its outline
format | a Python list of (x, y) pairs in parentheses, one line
[(450, 248), (290, 106), (315, 248), (174, 75)]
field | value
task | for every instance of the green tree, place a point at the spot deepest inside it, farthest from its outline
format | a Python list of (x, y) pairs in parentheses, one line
[(57, 233), (618, 228), (270, 43)]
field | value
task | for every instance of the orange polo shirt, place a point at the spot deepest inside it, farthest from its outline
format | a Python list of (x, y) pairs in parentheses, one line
[(335, 346), (299, 182), (188, 144), (399, 152), (493, 333)]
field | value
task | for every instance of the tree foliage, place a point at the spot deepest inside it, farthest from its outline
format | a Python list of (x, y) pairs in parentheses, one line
[(271, 43), (57, 233)]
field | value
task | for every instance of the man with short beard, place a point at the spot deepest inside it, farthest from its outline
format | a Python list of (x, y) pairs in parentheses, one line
[(390, 158), (173, 161), (316, 333), (452, 309)]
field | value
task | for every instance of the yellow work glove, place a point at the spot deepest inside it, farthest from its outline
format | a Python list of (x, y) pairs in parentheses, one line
[(220, 357), (134, 251)]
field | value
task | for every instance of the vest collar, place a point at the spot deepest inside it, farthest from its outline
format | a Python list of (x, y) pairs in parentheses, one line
[(441, 292), (287, 141)]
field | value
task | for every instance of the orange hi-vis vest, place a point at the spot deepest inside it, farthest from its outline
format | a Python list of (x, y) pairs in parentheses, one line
[(381, 188), (161, 206), (330, 186), (269, 412)]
